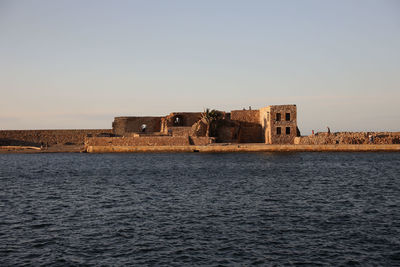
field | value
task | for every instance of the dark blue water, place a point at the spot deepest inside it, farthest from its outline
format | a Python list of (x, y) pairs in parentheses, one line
[(200, 209)]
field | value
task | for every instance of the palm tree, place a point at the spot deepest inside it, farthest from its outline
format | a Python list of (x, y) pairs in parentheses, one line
[(210, 116)]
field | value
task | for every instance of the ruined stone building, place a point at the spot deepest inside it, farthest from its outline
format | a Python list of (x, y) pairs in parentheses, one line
[(271, 125)]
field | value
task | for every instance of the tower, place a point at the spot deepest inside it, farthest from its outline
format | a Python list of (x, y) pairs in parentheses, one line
[(279, 124)]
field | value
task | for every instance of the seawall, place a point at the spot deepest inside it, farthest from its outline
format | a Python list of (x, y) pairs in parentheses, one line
[(244, 148), (47, 137), (379, 138), (148, 140)]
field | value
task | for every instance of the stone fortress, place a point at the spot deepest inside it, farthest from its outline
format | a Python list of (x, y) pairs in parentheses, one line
[(271, 125)]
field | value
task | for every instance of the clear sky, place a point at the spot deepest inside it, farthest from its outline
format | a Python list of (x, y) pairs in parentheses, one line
[(77, 64)]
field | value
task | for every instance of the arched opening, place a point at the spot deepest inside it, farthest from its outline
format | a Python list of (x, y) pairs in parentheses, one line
[(177, 120)]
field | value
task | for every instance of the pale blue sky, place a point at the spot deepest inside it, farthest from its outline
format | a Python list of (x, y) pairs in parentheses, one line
[(77, 64)]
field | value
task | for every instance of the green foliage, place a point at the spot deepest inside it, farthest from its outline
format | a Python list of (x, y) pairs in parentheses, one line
[(211, 117)]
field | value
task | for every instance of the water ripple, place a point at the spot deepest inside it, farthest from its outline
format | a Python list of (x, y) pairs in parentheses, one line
[(262, 209)]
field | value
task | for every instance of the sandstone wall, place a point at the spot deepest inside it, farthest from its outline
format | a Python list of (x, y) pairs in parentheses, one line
[(251, 116), (250, 133), (201, 141), (244, 148), (186, 119), (248, 128), (138, 141), (349, 138), (279, 124), (180, 131), (125, 125), (198, 129), (148, 141), (47, 137), (228, 133)]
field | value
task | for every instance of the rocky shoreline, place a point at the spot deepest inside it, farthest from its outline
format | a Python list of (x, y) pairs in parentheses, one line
[(232, 148), (33, 149), (213, 148), (353, 138)]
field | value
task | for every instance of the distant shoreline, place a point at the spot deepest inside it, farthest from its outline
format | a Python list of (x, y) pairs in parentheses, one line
[(232, 148), (33, 149), (214, 148)]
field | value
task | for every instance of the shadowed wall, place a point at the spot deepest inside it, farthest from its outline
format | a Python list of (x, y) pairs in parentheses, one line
[(47, 137), (124, 125)]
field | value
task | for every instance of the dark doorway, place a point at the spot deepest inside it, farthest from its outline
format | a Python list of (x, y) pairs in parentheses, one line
[(178, 120)]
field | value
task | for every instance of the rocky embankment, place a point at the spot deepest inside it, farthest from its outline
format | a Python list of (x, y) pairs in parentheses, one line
[(48, 137), (378, 138), (233, 148)]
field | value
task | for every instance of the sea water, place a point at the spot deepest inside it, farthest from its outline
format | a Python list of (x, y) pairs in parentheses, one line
[(200, 209)]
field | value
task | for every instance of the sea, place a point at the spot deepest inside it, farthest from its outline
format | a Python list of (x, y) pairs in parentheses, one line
[(195, 209)]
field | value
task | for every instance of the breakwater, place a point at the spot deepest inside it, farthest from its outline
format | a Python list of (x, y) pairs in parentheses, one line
[(325, 138), (148, 140), (47, 137), (243, 148)]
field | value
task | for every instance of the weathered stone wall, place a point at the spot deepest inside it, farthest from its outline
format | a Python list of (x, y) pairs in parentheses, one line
[(138, 141), (198, 129), (244, 148), (349, 138), (250, 116), (125, 125), (227, 134), (273, 118), (247, 128), (228, 131), (180, 131), (201, 141), (265, 124), (250, 133), (47, 137), (186, 119), (148, 141)]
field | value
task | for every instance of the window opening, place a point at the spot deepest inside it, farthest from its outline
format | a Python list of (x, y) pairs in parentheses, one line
[(287, 130), (278, 116), (178, 121), (278, 130), (288, 116)]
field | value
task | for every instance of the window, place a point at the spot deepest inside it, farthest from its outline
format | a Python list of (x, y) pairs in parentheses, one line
[(278, 130), (178, 120), (288, 116), (287, 130), (278, 116)]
